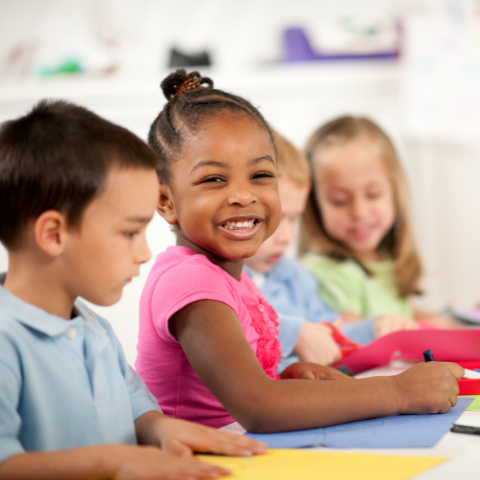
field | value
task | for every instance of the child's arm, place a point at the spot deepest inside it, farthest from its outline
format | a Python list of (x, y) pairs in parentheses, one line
[(106, 462), (212, 339), (183, 438)]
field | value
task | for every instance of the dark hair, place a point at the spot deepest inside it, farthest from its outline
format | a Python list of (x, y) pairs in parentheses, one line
[(190, 103), (56, 158)]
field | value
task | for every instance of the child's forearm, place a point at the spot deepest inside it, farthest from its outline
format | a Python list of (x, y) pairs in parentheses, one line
[(233, 374), (87, 463), (148, 427), (317, 404), (106, 462)]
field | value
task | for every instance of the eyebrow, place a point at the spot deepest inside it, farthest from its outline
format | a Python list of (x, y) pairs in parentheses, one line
[(138, 219), (211, 163), (268, 158), (214, 163)]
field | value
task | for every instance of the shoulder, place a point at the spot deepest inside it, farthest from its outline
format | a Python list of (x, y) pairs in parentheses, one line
[(15, 342), (183, 268), (324, 266), (297, 274), (10, 327), (184, 279)]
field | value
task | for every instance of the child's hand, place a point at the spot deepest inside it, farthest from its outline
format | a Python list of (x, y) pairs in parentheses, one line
[(315, 344), (393, 323), (150, 463), (312, 371), (351, 317), (182, 438), (429, 387)]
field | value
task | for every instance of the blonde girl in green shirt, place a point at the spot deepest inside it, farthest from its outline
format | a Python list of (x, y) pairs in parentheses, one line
[(356, 233)]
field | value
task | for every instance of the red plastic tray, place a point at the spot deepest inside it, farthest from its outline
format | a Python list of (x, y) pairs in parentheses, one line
[(469, 387)]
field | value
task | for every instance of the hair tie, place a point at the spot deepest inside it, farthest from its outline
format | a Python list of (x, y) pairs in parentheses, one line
[(189, 84)]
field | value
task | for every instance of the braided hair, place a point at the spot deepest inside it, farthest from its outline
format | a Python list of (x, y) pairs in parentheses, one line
[(190, 103)]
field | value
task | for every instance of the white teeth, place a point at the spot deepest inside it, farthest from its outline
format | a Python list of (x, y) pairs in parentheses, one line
[(236, 225)]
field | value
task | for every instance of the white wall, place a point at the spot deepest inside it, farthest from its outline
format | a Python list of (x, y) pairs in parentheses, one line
[(294, 98)]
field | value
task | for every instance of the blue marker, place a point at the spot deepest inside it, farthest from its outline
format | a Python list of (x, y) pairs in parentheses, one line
[(469, 374), (428, 356)]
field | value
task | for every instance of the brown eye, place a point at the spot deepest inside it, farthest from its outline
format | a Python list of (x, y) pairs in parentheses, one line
[(213, 180), (264, 175)]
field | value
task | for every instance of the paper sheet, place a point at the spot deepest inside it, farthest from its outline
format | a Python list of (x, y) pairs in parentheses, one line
[(475, 405), (311, 465), (400, 431)]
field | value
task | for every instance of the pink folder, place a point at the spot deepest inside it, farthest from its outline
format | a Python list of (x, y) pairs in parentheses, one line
[(447, 346)]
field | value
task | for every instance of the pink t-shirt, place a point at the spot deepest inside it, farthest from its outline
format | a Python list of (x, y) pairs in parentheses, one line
[(180, 277)]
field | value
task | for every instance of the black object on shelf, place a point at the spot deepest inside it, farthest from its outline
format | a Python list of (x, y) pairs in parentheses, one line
[(180, 59)]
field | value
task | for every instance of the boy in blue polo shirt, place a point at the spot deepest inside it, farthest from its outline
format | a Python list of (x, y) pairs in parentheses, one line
[(76, 195)]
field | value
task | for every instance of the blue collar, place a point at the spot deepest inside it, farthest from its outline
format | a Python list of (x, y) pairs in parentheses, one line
[(281, 270), (39, 320)]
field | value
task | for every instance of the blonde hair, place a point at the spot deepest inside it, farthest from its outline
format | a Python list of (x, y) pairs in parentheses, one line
[(398, 243), (291, 162)]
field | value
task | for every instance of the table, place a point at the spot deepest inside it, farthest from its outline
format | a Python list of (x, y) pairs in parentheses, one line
[(463, 450)]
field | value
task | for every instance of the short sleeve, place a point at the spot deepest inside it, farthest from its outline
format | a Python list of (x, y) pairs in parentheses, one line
[(141, 400), (10, 388), (185, 283), (341, 284)]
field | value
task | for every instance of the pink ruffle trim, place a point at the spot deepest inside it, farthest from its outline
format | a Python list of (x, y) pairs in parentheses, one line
[(268, 347)]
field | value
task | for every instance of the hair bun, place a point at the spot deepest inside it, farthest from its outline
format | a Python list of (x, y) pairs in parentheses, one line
[(171, 84)]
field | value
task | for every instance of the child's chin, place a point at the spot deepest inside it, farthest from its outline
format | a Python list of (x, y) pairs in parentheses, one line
[(107, 299)]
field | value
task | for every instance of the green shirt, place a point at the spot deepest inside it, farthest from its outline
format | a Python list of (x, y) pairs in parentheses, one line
[(346, 287)]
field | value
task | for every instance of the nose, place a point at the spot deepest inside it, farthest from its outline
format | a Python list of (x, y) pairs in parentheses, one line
[(285, 231), (143, 252), (241, 194), (359, 208)]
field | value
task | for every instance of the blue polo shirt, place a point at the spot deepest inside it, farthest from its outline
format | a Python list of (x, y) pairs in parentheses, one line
[(293, 293), (64, 384)]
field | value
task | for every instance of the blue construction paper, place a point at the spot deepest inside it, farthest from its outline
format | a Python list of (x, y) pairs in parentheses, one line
[(399, 431)]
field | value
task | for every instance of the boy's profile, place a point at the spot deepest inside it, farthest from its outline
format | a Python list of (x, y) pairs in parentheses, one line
[(76, 195)]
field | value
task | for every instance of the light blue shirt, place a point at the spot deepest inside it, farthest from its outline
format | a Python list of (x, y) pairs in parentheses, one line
[(64, 384), (293, 293)]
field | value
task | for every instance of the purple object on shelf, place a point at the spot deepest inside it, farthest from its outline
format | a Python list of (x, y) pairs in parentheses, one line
[(469, 314), (297, 48)]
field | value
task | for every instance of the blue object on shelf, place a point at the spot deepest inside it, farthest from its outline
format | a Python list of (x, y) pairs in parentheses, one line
[(297, 48)]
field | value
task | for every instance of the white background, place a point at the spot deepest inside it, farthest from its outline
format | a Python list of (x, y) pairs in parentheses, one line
[(245, 40)]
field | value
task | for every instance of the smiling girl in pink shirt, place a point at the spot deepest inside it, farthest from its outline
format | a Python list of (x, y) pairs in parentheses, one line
[(207, 345)]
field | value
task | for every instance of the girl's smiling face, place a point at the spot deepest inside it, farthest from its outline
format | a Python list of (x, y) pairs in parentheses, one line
[(223, 195), (355, 195)]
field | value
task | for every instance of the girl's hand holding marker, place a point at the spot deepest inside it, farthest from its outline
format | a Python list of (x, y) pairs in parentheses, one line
[(469, 374)]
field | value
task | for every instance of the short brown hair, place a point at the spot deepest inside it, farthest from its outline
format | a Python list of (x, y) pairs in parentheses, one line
[(398, 242), (291, 162), (57, 158)]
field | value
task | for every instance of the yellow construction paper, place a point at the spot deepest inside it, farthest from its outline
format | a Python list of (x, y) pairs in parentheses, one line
[(315, 465)]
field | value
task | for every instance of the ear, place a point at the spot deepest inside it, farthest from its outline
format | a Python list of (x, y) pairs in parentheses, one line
[(165, 206), (50, 231)]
